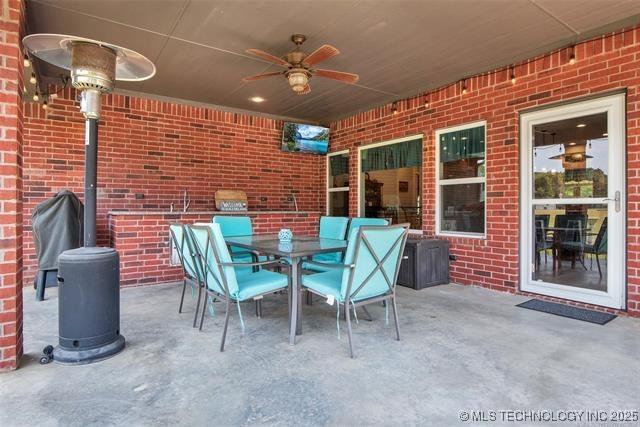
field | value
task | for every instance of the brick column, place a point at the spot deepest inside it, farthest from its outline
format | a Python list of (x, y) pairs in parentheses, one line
[(11, 67)]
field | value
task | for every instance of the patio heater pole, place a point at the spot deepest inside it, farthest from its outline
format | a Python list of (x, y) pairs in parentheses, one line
[(89, 277), (90, 178), (90, 182)]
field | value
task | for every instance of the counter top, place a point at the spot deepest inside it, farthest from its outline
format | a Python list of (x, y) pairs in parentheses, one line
[(156, 212)]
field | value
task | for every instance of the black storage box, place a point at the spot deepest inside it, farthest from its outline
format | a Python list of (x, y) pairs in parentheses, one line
[(427, 263)]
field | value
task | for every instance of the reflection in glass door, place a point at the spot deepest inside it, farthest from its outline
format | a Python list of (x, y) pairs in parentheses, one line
[(572, 184)]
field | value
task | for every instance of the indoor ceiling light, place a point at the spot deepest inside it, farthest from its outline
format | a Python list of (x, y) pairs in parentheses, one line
[(257, 99), (298, 80), (581, 125), (605, 134), (572, 143)]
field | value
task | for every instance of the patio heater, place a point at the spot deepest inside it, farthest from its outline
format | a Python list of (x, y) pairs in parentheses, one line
[(89, 277)]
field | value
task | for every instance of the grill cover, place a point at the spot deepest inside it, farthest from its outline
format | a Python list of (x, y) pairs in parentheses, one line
[(57, 226)]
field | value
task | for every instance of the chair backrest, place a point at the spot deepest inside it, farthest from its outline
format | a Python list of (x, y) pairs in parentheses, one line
[(232, 225), (212, 252), (185, 254), (376, 253), (540, 232), (544, 218), (333, 227), (356, 223), (574, 232), (600, 244)]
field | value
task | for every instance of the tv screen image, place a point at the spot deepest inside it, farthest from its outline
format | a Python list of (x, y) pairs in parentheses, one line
[(301, 138)]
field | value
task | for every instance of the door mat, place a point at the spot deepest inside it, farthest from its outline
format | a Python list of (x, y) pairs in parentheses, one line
[(568, 311)]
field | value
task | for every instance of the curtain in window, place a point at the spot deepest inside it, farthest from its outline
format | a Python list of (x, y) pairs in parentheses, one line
[(463, 144), (395, 156), (339, 165)]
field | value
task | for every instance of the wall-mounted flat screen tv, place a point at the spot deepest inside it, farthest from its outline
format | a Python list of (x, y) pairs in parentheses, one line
[(301, 138)]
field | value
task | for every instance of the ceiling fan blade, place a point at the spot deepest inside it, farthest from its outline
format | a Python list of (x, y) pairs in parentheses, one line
[(337, 75), (268, 57), (320, 54), (261, 76), (305, 91)]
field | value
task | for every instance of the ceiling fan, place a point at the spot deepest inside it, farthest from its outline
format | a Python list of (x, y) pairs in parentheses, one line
[(299, 66)]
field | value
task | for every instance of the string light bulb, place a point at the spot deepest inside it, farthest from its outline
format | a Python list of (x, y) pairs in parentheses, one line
[(44, 105), (464, 86), (572, 56), (426, 100), (513, 75), (394, 108), (32, 79), (36, 98), (26, 62)]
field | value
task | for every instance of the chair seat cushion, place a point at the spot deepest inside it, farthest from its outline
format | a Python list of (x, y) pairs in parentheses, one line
[(327, 283), (317, 268), (328, 258), (258, 283)]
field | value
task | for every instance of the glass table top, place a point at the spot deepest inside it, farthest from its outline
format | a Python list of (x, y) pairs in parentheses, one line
[(299, 246)]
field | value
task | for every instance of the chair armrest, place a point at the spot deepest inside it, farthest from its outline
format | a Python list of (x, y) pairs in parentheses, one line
[(330, 265)]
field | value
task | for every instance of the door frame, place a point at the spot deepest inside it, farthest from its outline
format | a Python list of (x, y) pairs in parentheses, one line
[(614, 106)]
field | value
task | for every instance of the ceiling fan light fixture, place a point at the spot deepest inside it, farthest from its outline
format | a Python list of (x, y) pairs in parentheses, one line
[(298, 80)]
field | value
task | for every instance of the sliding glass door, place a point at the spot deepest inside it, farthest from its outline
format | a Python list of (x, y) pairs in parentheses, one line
[(572, 219)]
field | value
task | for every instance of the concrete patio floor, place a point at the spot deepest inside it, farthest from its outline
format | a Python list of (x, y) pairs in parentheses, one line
[(462, 349)]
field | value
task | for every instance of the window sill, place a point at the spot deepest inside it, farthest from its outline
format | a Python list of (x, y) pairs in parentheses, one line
[(463, 235)]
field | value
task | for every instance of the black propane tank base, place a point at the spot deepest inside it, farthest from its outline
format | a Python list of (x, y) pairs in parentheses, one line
[(69, 356), (88, 306)]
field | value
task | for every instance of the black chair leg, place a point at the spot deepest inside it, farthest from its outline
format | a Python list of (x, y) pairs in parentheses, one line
[(204, 309), (184, 287), (348, 317), (395, 317), (41, 283), (226, 323), (195, 316), (598, 262)]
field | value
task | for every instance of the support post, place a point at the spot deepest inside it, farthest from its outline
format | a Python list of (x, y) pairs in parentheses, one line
[(90, 181)]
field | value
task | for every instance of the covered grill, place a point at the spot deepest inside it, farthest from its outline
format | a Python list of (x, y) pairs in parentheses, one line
[(57, 227)]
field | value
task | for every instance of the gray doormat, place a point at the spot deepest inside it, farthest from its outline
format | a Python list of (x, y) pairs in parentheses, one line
[(568, 311)]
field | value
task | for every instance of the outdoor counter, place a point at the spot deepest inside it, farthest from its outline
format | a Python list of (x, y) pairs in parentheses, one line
[(142, 238)]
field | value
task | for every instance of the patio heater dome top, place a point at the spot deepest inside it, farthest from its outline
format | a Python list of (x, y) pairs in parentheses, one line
[(93, 64)]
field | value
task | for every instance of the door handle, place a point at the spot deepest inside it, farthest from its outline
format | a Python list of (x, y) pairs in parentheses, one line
[(615, 199)]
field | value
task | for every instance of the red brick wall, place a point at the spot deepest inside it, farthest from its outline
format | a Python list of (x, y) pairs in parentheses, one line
[(602, 64), (150, 151), (142, 240), (11, 21)]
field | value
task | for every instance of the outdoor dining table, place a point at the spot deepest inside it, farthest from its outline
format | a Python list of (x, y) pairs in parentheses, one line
[(296, 251)]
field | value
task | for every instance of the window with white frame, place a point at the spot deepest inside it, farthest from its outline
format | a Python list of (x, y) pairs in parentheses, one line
[(460, 180), (338, 183), (391, 181)]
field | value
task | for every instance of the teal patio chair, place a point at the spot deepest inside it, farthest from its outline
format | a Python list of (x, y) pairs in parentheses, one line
[(368, 275), (357, 222), (331, 227), (233, 226), (186, 255), (230, 281)]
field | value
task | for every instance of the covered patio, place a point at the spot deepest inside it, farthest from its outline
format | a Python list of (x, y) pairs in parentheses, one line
[(462, 349), (319, 212)]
